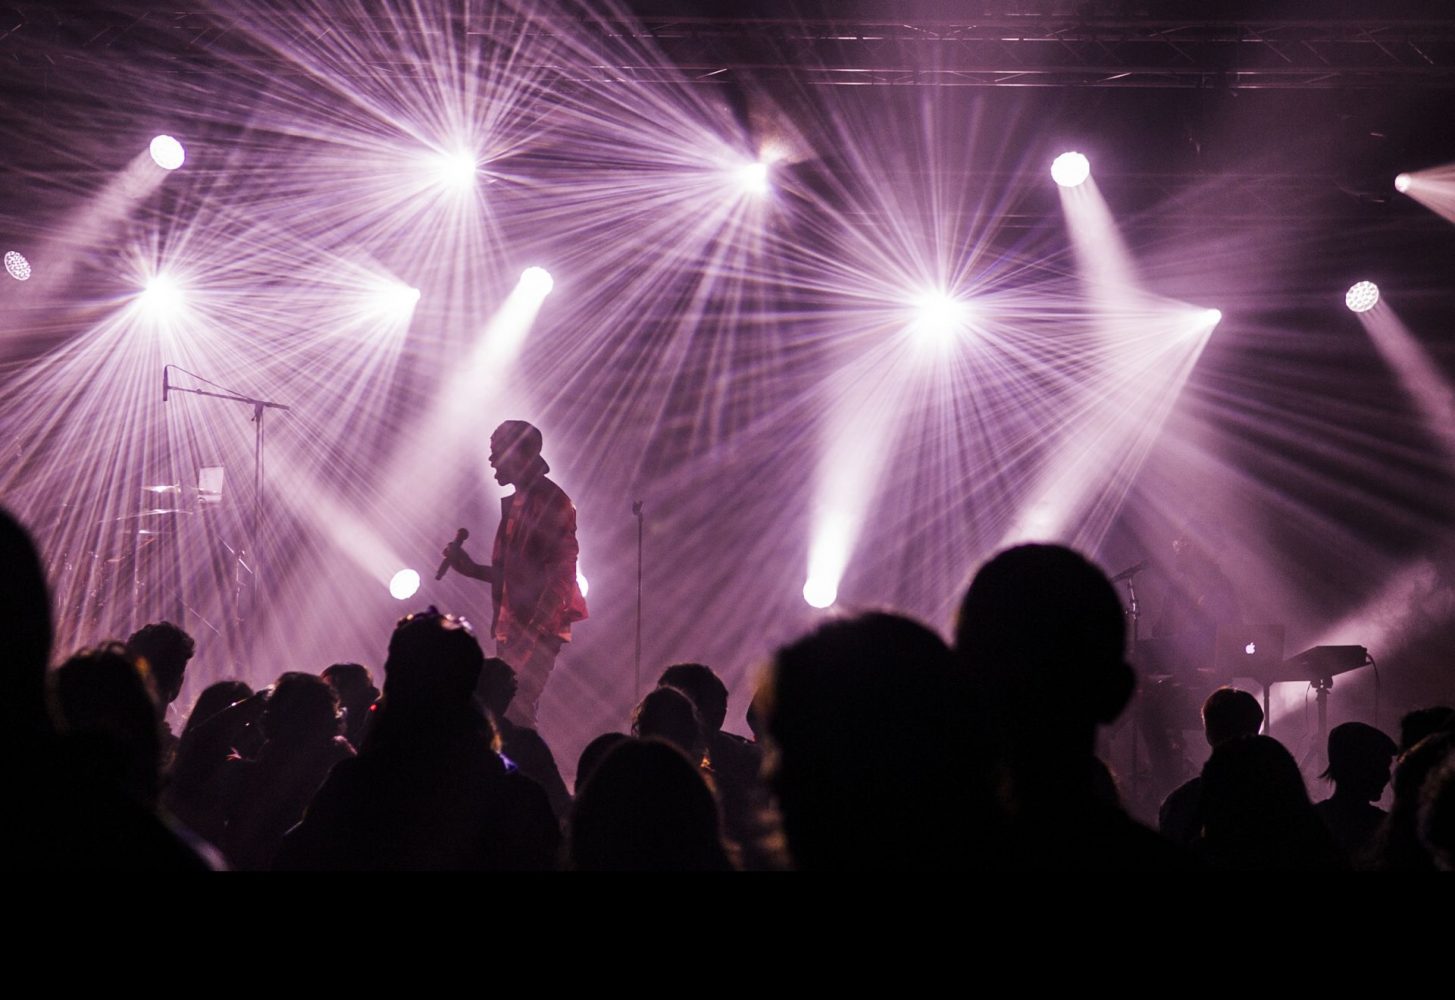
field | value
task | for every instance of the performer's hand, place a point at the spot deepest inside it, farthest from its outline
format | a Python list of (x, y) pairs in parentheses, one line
[(459, 561)]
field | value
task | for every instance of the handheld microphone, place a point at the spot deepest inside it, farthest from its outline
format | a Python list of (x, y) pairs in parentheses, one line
[(460, 537)]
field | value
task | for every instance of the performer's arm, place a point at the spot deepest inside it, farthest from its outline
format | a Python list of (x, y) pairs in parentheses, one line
[(465, 566)]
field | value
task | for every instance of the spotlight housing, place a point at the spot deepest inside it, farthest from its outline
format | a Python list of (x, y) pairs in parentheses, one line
[(167, 152), (537, 281), (404, 585), (1070, 169), (754, 178), (939, 316), (455, 170), (162, 298), (1362, 296), (17, 266), (820, 593)]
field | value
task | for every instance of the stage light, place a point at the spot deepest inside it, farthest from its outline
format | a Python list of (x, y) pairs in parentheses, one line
[(455, 170), (754, 178), (536, 281), (162, 297), (1362, 296), (1070, 169), (940, 316), (1402, 183), (17, 265), (394, 299), (1213, 316), (581, 582), (404, 585), (820, 593), (167, 152)]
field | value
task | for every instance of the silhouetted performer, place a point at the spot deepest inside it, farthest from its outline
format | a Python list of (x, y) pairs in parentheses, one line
[(1043, 640), (1359, 765), (532, 570), (1226, 714)]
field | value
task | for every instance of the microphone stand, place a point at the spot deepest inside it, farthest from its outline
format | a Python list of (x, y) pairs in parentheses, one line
[(637, 676), (260, 407)]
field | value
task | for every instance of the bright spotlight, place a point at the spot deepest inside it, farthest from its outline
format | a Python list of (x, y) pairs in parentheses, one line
[(455, 170), (1212, 316), (940, 316), (167, 152), (162, 297), (396, 299), (1362, 296), (17, 265), (753, 178), (1070, 169), (820, 593), (537, 281), (581, 582), (404, 584), (1402, 183)]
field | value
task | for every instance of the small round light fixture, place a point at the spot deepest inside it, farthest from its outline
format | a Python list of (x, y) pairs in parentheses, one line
[(404, 585), (167, 152), (1362, 296), (537, 281), (17, 266), (1402, 183), (1070, 169), (820, 593)]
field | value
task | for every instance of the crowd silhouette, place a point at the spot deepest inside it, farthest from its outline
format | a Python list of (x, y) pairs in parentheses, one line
[(877, 747)]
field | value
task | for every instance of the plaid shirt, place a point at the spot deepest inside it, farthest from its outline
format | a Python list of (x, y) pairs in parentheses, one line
[(535, 561)]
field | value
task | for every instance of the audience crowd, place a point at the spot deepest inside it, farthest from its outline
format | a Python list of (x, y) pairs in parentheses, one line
[(878, 747)]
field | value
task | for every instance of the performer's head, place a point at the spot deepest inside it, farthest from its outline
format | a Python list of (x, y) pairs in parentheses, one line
[(515, 451)]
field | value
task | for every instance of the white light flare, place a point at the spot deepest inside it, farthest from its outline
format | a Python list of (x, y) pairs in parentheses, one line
[(404, 585), (939, 317), (1362, 296), (456, 170), (395, 299), (17, 266), (581, 582), (1070, 169), (754, 178), (162, 299), (828, 555), (820, 592), (167, 152), (536, 282), (1402, 183)]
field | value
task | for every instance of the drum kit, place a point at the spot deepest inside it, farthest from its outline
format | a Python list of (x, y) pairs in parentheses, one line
[(126, 570)]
